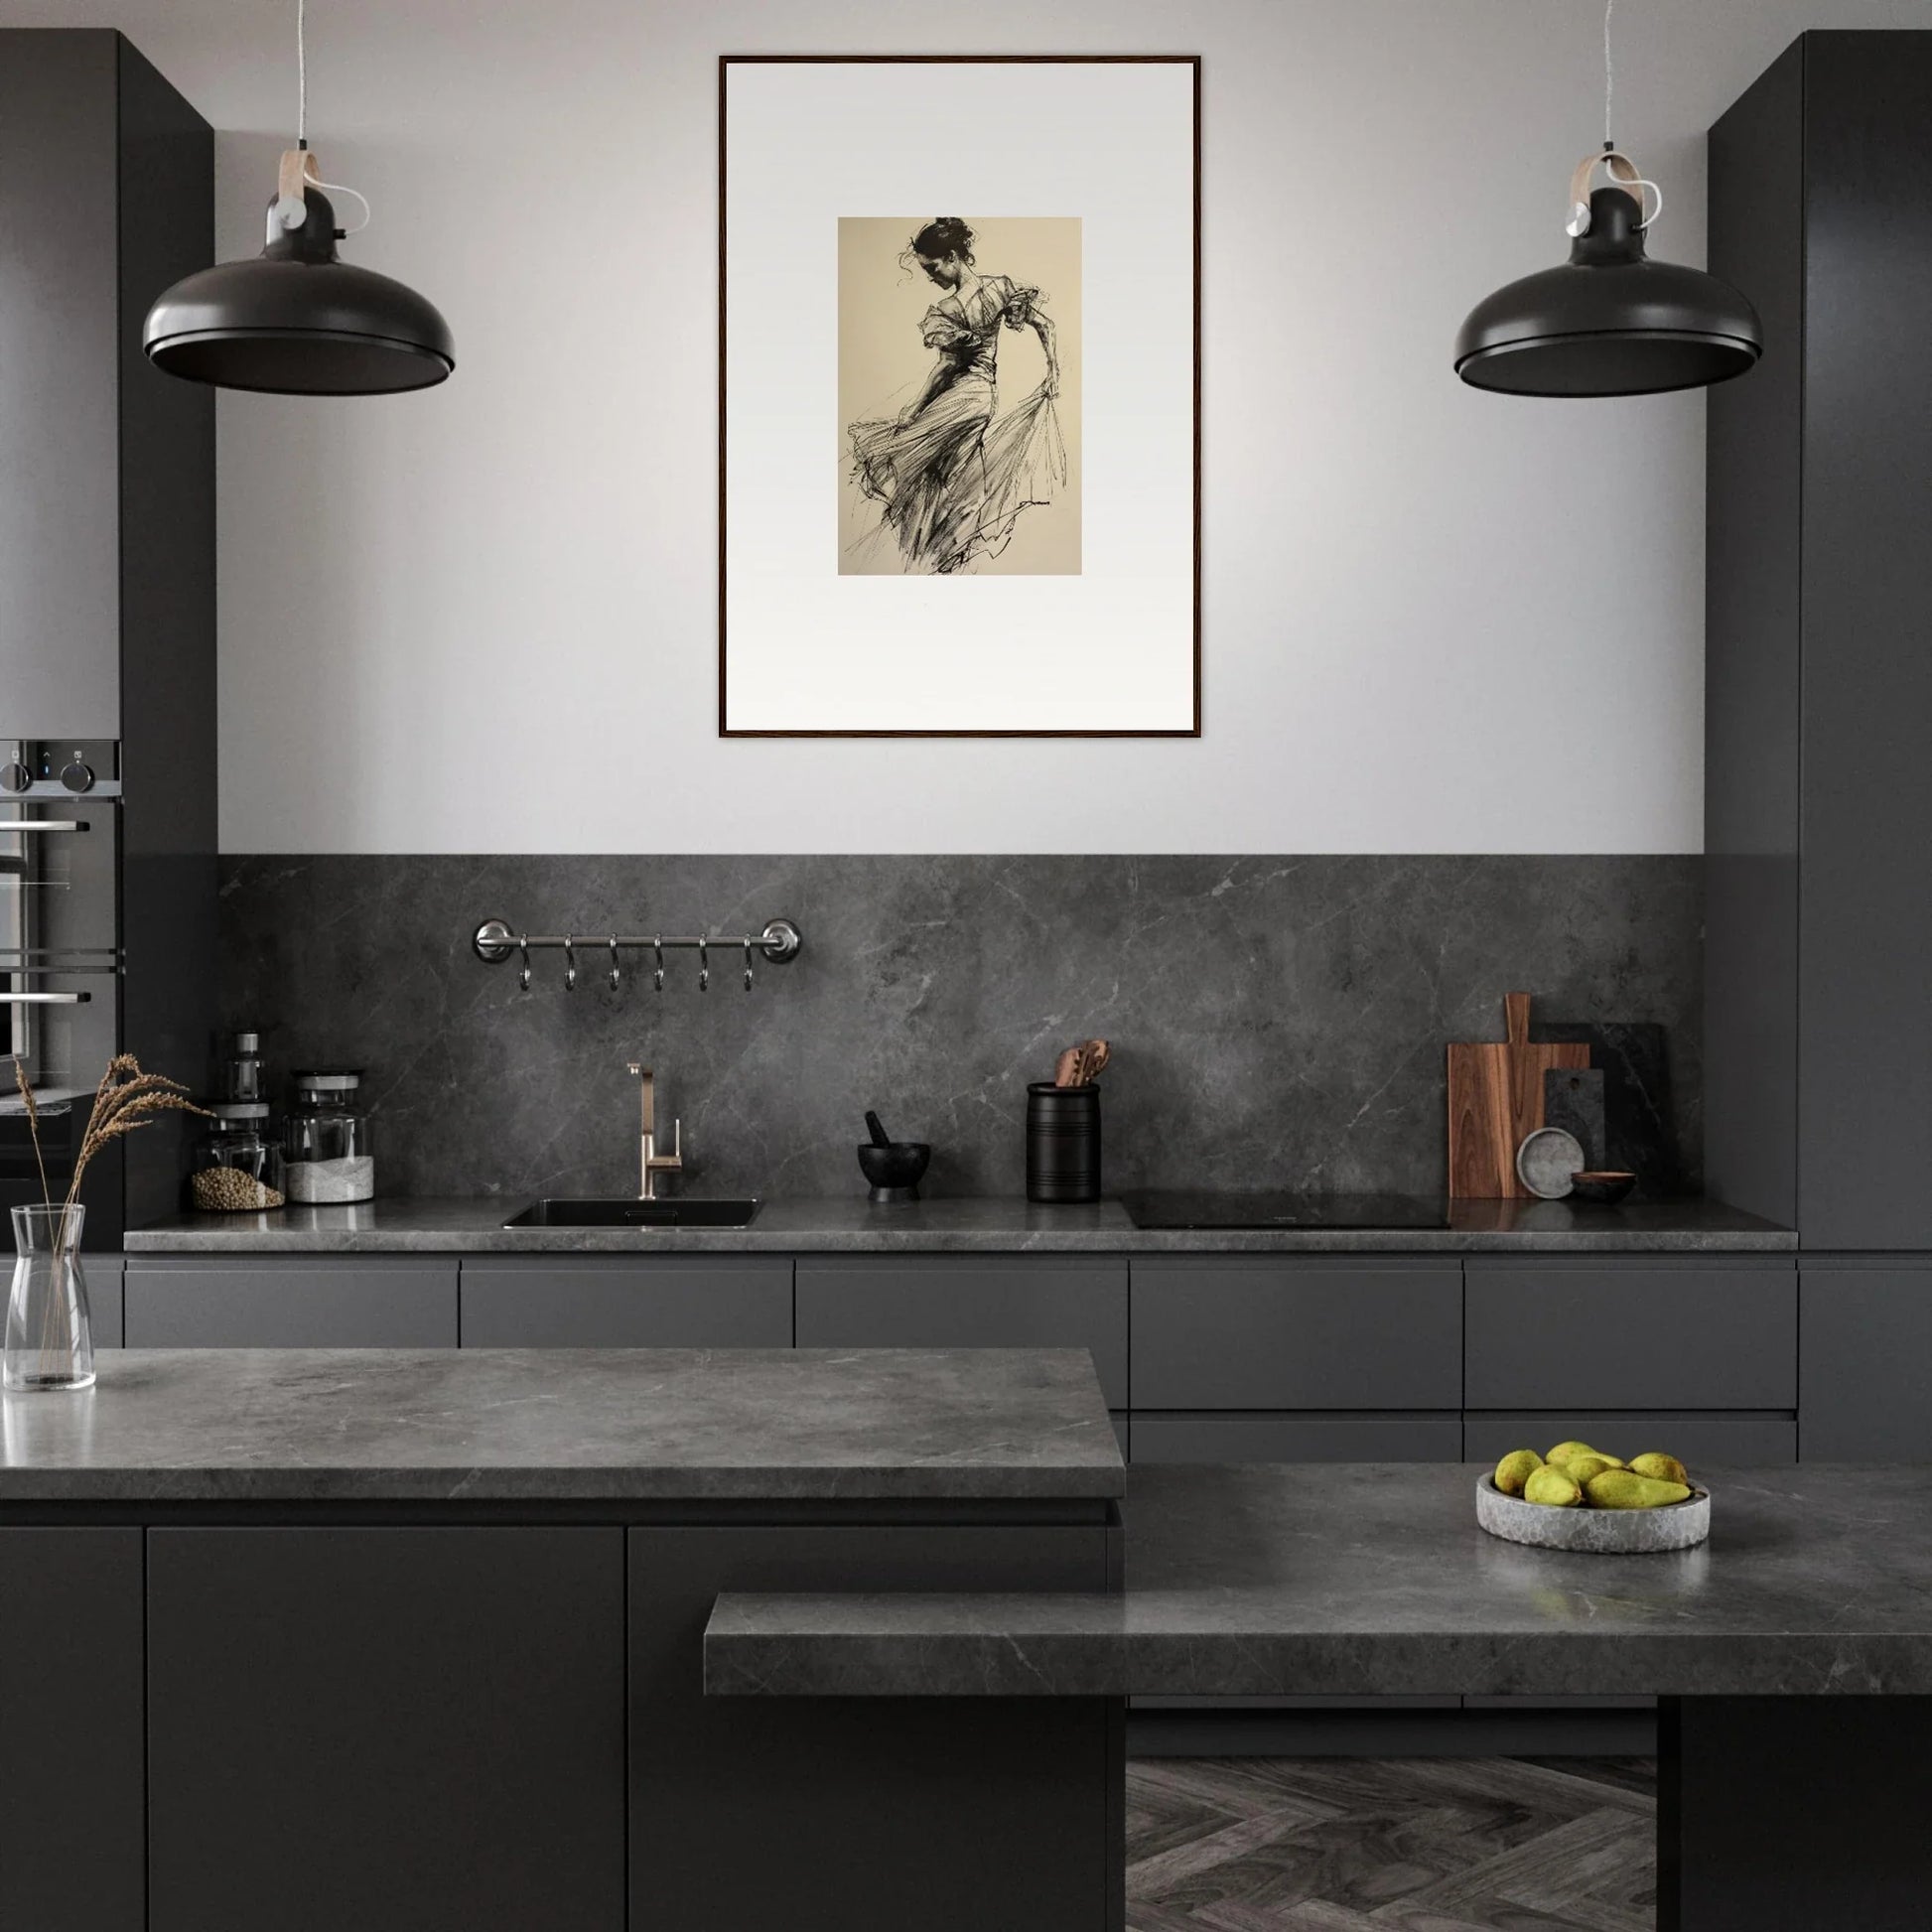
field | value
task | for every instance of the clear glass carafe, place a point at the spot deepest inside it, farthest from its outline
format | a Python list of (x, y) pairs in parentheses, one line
[(50, 1336)]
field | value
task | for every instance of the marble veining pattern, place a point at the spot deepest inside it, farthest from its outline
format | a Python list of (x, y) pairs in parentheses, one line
[(1276, 1022), (1372, 1580), (604, 1424)]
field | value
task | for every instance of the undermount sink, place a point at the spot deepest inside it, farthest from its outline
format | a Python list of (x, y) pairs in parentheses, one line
[(632, 1213)]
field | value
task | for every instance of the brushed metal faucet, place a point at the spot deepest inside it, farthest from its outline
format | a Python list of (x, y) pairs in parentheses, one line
[(651, 1164)]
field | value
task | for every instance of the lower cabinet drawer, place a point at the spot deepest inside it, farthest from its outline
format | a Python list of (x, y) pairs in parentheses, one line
[(1297, 1438), (1267, 1333), (1656, 1333), (263, 1301), (949, 1301), (1733, 1441), (616, 1302)]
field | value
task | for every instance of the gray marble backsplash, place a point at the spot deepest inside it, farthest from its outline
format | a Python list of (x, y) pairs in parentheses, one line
[(1276, 1021)]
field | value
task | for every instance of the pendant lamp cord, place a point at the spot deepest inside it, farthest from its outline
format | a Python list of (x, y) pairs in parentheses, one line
[(1609, 74)]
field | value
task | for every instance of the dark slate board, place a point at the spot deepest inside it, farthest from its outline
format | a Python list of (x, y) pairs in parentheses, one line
[(1639, 1127), (1572, 1099)]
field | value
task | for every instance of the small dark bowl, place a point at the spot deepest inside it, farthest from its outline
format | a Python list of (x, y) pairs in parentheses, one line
[(895, 1170), (1604, 1188)]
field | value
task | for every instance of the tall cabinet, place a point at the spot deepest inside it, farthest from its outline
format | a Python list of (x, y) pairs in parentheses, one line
[(108, 720), (1819, 717)]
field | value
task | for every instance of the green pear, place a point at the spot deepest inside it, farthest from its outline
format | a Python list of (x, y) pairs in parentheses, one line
[(1515, 1469), (1624, 1490), (1664, 1468), (1550, 1485)]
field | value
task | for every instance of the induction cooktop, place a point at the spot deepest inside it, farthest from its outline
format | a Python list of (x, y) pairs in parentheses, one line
[(1158, 1210)]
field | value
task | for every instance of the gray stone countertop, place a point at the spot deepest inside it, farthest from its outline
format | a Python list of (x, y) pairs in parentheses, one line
[(1373, 1578), (960, 1226), (542, 1424)]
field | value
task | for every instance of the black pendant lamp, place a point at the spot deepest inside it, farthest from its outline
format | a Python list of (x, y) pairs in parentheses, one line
[(297, 320), (1610, 322)]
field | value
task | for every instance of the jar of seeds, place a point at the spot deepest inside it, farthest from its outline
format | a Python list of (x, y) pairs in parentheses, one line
[(236, 1165)]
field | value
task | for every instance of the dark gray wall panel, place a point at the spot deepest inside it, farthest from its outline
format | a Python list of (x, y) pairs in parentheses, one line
[(1718, 1441), (1245, 1332), (1866, 1347), (393, 1729), (953, 1301), (1865, 923), (1297, 1438), (597, 1301), (72, 1830), (60, 315), (1752, 678), (268, 1301), (998, 1816), (1632, 1334)]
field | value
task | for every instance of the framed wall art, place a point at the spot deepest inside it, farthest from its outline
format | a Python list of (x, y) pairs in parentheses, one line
[(959, 386)]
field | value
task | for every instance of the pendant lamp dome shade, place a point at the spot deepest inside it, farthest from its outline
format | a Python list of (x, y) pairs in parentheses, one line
[(1610, 322), (297, 320)]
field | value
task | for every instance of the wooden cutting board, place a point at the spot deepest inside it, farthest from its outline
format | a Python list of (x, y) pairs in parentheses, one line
[(1495, 1099)]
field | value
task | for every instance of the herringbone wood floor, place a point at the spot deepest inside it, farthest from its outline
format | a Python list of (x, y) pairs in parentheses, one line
[(1391, 1845)]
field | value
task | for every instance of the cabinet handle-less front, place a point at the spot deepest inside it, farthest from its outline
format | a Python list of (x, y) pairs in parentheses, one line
[(42, 824), (44, 999)]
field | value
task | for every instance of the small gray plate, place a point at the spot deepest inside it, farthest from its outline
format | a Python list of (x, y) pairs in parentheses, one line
[(1595, 1532), (1546, 1160)]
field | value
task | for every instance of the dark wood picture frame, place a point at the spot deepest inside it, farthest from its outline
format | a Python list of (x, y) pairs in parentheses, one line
[(728, 61)]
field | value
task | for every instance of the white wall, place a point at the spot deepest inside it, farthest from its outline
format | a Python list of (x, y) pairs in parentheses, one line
[(482, 618)]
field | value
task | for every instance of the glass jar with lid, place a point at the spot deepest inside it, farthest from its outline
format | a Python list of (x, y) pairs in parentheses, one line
[(236, 1165), (330, 1155)]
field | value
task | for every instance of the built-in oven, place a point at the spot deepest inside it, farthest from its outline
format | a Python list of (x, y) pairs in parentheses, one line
[(61, 957)]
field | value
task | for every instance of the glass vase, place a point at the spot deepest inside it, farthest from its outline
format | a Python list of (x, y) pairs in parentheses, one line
[(49, 1338)]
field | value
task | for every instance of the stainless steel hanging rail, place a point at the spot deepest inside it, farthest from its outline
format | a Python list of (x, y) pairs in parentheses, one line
[(496, 941)]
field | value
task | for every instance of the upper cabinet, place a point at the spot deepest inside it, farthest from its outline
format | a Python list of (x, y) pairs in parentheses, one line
[(106, 465), (1819, 679)]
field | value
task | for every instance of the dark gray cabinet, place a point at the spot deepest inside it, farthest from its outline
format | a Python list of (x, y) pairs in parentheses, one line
[(372, 1302), (316, 1696), (1267, 1332), (1545, 1332), (1819, 705), (1866, 1349), (1414, 1437), (962, 1302), (733, 1800), (617, 1301), (1736, 1441), (72, 1832)]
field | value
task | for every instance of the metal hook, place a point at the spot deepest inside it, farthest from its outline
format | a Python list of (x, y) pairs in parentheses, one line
[(617, 971), (704, 966), (570, 963), (748, 965), (524, 946), (657, 946)]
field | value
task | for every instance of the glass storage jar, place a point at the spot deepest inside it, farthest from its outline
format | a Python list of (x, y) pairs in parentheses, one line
[(330, 1155), (236, 1167)]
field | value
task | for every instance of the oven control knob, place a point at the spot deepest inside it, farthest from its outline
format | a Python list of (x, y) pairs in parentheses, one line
[(15, 777), (78, 776)]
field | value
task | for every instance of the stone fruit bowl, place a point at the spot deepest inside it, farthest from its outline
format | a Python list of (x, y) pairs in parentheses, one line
[(1598, 1531)]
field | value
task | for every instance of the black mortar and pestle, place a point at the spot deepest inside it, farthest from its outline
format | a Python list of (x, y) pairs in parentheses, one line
[(893, 1166)]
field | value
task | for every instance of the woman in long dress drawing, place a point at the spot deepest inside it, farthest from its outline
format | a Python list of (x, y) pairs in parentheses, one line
[(953, 480)]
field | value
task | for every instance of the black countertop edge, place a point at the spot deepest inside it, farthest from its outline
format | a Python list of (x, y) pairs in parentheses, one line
[(998, 1225)]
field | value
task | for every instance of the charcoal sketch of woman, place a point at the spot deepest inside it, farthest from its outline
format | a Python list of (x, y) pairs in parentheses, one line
[(954, 478)]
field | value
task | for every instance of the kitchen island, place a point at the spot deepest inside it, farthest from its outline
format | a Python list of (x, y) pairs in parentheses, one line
[(413, 1639), (1793, 1651)]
